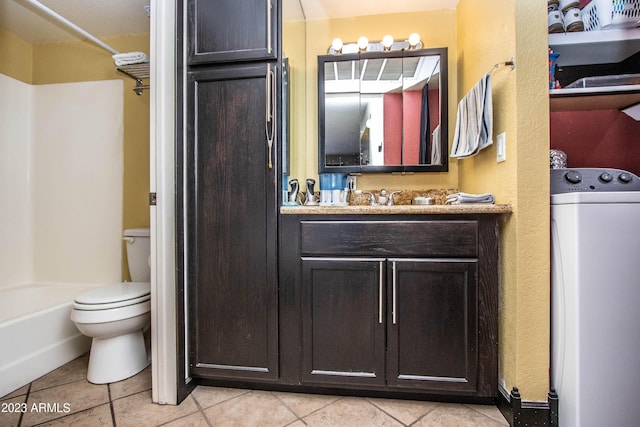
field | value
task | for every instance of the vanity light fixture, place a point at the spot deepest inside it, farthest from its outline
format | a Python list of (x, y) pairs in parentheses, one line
[(336, 45), (363, 43), (414, 39), (387, 42)]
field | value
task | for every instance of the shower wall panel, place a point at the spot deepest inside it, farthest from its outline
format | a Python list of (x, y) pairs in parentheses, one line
[(77, 181), (61, 179), (15, 225)]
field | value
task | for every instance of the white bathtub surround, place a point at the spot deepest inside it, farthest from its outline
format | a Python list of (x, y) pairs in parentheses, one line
[(61, 177), (36, 333), (16, 242), (77, 172)]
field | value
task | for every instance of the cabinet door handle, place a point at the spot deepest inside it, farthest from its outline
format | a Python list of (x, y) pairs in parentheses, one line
[(269, 47), (270, 121), (380, 294), (394, 291)]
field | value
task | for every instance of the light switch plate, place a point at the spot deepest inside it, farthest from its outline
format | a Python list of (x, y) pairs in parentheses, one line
[(501, 147)]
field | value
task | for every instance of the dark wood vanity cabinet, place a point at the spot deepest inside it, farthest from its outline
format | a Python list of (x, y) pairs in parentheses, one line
[(432, 327), (230, 31), (343, 334), (402, 304), (404, 323), (228, 187)]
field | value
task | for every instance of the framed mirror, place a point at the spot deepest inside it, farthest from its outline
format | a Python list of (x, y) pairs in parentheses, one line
[(383, 112)]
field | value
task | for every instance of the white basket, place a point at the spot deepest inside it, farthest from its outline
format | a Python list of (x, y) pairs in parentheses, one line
[(605, 14)]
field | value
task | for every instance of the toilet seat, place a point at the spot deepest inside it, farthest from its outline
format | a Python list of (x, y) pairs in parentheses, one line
[(113, 296), (98, 315)]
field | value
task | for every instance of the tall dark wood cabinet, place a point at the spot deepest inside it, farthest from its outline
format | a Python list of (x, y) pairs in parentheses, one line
[(231, 174), (233, 224), (233, 30)]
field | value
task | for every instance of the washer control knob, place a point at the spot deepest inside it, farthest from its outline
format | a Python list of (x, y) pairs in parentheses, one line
[(625, 178), (606, 177), (573, 177)]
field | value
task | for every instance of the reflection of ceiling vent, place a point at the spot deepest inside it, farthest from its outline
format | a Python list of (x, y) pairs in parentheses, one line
[(390, 69), (381, 75)]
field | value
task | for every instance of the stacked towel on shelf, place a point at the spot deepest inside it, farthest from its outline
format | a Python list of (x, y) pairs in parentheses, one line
[(130, 58), (463, 198), (474, 121)]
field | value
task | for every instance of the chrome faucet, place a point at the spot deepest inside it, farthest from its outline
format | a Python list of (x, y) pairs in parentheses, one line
[(372, 197), (384, 198), (390, 200)]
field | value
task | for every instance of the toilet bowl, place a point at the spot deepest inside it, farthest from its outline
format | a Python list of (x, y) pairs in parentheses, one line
[(116, 317)]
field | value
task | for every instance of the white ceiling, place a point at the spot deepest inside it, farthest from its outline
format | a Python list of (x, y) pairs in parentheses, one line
[(323, 9), (107, 18), (102, 18)]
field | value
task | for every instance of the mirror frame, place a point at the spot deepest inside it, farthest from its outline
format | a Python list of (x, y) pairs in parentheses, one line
[(444, 112)]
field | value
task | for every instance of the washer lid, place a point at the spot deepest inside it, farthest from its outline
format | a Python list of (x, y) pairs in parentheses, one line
[(115, 293)]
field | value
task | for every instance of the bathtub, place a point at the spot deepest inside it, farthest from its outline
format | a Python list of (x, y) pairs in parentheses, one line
[(36, 334)]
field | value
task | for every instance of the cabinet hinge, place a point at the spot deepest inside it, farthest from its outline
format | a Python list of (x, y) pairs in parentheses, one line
[(152, 199)]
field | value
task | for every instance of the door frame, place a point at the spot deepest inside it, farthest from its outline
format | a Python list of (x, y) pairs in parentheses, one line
[(162, 155)]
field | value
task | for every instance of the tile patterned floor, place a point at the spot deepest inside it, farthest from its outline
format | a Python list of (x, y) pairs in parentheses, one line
[(65, 398)]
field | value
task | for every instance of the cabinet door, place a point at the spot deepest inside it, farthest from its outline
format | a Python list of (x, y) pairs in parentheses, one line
[(343, 321), (232, 30), (231, 225), (432, 328)]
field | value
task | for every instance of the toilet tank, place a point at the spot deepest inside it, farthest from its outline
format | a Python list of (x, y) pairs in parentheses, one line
[(138, 245)]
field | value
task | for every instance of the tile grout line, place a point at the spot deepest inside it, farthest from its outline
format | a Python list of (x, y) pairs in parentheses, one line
[(26, 401), (339, 398), (427, 413), (298, 417), (488, 416), (113, 412), (201, 410), (387, 413)]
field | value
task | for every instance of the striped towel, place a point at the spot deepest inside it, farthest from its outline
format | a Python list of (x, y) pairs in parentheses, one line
[(474, 121)]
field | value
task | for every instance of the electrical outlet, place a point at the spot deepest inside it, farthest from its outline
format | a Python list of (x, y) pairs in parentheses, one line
[(501, 147)]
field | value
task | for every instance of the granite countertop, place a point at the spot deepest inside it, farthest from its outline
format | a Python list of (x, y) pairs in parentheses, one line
[(396, 209), (359, 206)]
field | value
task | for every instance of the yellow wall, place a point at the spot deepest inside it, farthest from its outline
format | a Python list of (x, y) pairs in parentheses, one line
[(293, 48), (77, 61), (488, 36), (437, 29), (17, 57)]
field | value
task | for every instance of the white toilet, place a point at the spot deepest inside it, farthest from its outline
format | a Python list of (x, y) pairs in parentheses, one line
[(116, 316)]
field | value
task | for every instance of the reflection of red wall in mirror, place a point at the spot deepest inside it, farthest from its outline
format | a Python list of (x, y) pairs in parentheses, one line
[(392, 104), (412, 105), (393, 135)]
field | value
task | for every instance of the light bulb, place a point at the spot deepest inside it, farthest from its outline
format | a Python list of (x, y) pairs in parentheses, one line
[(336, 44), (387, 42), (414, 39), (363, 43)]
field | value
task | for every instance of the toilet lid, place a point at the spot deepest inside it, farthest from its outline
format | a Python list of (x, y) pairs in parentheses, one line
[(118, 293)]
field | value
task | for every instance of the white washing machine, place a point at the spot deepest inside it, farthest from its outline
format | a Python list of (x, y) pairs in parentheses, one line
[(595, 296)]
